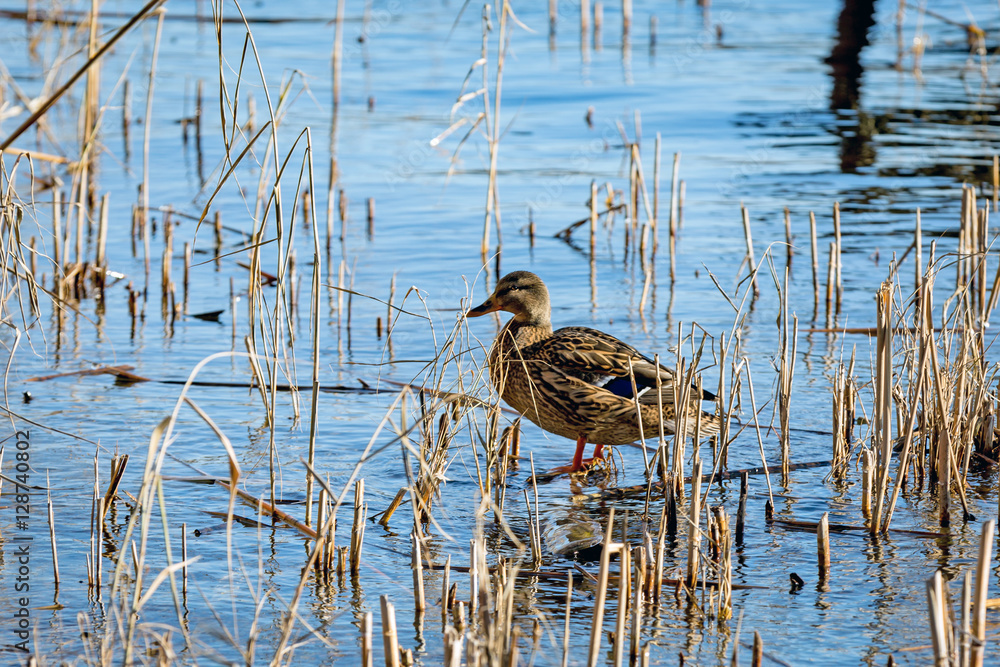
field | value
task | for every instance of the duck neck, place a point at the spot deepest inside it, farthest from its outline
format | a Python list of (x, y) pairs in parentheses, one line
[(531, 320)]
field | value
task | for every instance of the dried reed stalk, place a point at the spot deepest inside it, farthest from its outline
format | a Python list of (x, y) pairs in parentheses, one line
[(815, 261), (838, 267), (358, 527), (417, 565), (596, 628), (982, 593), (882, 415), (367, 649), (741, 512), (674, 208), (940, 627), (823, 546), (867, 479), (147, 125), (494, 131), (724, 565), (52, 531), (694, 528), (751, 261), (789, 250), (624, 590), (567, 616), (390, 643), (788, 347)]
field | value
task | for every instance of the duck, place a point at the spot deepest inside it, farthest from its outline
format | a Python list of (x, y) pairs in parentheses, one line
[(575, 382)]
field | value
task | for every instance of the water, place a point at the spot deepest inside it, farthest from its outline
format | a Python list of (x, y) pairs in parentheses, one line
[(758, 118)]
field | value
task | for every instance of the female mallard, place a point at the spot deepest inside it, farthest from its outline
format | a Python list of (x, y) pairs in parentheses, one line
[(575, 381)]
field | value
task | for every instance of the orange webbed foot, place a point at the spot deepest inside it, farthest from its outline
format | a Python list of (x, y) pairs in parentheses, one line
[(574, 468)]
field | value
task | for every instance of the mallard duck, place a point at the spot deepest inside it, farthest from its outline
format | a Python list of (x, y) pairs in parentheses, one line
[(575, 381)]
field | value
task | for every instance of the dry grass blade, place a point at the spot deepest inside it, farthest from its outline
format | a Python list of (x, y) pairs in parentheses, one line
[(55, 96)]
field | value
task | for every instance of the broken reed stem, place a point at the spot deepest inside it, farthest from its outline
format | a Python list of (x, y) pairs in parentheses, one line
[(756, 425), (446, 589), (694, 532), (981, 593), (867, 476), (674, 208), (187, 272), (184, 557), (367, 650), (358, 528), (593, 216), (904, 455), (656, 194), (316, 319), (750, 256), (57, 269), (638, 597), (786, 373), (882, 417), (102, 234), (168, 253), (839, 265), (965, 606), (393, 506), (98, 570), (624, 585), (371, 217), (788, 238), (147, 129), (417, 564), (823, 546), (815, 261), (52, 530), (494, 133), (597, 624), (944, 443), (536, 525), (390, 643), (741, 512), (936, 610), (724, 568), (843, 416), (569, 599), (995, 172), (473, 576), (918, 268), (680, 204), (831, 269)]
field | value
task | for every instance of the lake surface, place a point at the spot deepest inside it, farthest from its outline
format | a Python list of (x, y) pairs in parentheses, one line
[(742, 92)]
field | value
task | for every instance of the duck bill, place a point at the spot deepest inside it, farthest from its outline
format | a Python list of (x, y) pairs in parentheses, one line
[(488, 306)]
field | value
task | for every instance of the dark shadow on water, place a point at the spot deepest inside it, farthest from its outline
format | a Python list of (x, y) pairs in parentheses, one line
[(856, 18)]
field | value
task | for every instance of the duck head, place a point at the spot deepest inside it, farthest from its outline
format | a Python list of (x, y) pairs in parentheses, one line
[(521, 293)]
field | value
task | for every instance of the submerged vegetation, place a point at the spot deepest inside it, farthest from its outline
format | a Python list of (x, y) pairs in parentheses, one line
[(298, 540)]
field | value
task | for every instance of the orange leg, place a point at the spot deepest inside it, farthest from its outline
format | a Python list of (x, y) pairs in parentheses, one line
[(579, 463), (581, 442)]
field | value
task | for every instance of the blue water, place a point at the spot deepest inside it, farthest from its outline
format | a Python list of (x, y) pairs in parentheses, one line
[(755, 119)]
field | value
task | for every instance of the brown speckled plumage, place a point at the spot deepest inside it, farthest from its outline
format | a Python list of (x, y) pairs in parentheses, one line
[(558, 379)]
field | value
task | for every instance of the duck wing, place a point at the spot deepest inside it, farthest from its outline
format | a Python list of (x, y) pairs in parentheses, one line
[(601, 360)]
